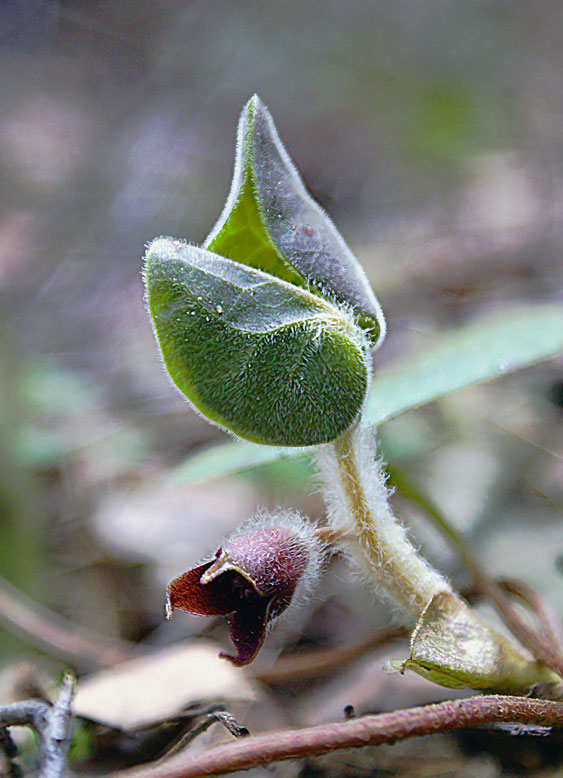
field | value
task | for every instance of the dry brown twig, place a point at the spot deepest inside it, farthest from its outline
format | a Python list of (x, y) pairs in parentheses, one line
[(314, 663), (543, 611), (311, 663)]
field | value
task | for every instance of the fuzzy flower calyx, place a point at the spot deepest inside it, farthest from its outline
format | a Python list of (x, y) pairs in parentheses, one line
[(252, 579)]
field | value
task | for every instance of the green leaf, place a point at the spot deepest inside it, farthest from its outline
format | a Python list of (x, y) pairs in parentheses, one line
[(478, 352), (262, 358), (272, 223)]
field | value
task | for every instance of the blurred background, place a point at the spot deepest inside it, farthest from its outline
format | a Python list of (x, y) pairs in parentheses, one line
[(432, 134)]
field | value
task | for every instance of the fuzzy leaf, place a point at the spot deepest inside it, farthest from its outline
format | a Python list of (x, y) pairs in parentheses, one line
[(481, 351), (271, 222), (266, 360)]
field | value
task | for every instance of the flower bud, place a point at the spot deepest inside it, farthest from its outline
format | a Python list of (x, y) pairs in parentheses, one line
[(253, 578)]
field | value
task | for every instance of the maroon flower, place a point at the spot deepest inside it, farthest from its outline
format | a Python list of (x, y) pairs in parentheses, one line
[(252, 579)]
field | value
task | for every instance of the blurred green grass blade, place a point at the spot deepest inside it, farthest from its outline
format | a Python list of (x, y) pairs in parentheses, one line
[(229, 458), (481, 351)]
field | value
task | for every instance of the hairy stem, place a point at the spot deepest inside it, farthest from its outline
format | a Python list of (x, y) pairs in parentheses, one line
[(450, 645), (544, 646), (357, 498)]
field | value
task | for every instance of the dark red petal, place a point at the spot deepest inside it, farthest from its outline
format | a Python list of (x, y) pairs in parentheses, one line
[(248, 630), (216, 598)]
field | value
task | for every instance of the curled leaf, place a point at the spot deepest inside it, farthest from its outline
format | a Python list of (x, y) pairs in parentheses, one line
[(271, 222)]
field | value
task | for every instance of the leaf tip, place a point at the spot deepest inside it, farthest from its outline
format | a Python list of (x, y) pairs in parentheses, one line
[(254, 103), (256, 118), (161, 248)]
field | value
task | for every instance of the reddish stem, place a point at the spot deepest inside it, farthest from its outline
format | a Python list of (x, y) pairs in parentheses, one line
[(355, 733)]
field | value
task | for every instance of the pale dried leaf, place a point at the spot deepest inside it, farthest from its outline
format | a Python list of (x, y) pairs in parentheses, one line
[(157, 687)]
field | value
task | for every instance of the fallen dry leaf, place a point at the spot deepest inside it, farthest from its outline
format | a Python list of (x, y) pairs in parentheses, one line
[(157, 687)]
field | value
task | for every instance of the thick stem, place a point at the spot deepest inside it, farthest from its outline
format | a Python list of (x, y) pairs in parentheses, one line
[(357, 499), (545, 646)]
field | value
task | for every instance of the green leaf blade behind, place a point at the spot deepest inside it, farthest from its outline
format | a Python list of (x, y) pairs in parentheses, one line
[(241, 233), (244, 239), (481, 351)]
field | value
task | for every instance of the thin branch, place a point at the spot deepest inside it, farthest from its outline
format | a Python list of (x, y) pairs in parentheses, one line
[(540, 646), (55, 736), (306, 664), (354, 733), (218, 715), (57, 635), (543, 611), (51, 722), (315, 663), (23, 714)]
